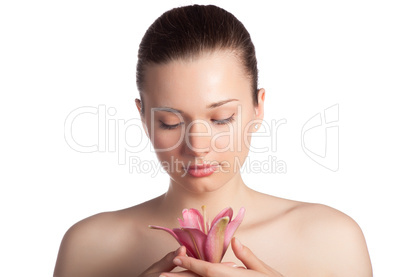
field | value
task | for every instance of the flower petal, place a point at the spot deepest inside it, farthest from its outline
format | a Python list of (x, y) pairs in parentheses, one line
[(170, 231), (232, 227), (214, 243), (179, 239), (225, 212), (193, 239), (192, 218)]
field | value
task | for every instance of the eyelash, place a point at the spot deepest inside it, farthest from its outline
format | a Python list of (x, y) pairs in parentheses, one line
[(169, 127), (217, 122), (224, 121)]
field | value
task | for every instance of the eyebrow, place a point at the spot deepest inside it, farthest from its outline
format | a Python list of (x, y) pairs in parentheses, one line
[(210, 106), (167, 109), (220, 103)]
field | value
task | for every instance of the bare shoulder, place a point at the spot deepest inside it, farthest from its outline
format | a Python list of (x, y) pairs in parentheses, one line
[(101, 245), (316, 239), (332, 238)]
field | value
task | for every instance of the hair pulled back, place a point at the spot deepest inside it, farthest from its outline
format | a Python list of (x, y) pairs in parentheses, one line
[(189, 31)]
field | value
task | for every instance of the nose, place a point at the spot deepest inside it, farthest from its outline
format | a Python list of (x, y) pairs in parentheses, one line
[(198, 138)]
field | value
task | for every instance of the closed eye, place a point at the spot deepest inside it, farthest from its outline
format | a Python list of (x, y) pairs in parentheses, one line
[(223, 121), (169, 127)]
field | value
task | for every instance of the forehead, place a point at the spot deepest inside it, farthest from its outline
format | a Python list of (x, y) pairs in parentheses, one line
[(205, 79)]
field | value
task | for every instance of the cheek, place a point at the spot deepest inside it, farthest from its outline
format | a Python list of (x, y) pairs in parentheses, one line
[(234, 140), (248, 129), (223, 141), (247, 135), (167, 149), (166, 140)]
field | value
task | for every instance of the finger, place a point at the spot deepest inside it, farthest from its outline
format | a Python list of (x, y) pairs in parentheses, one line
[(203, 268), (248, 258), (232, 264), (186, 273), (166, 263)]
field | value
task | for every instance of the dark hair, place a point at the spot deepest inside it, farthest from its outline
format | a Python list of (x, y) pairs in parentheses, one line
[(189, 31)]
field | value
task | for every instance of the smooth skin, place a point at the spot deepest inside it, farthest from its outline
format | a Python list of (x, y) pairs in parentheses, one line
[(279, 237)]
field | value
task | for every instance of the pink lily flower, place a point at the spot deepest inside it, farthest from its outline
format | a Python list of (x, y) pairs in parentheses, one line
[(204, 241)]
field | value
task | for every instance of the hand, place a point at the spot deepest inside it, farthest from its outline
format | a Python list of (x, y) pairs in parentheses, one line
[(254, 266), (165, 264)]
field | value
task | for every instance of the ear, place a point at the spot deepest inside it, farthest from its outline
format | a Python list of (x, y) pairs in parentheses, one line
[(259, 108), (138, 104)]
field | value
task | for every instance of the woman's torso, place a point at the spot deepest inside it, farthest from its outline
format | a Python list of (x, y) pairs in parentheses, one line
[(292, 237)]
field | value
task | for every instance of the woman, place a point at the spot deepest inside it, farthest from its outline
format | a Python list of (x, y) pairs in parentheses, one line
[(197, 77)]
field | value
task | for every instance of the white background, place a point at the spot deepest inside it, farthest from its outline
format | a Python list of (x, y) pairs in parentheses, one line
[(57, 56)]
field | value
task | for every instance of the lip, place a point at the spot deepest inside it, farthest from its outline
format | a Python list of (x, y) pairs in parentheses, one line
[(203, 170)]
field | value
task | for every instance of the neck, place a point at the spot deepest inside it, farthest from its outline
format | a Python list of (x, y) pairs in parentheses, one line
[(232, 194)]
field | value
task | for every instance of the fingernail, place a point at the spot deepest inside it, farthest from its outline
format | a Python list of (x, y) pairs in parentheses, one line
[(239, 243), (177, 261)]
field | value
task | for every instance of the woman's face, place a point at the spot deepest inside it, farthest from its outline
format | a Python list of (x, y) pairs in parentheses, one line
[(199, 115)]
